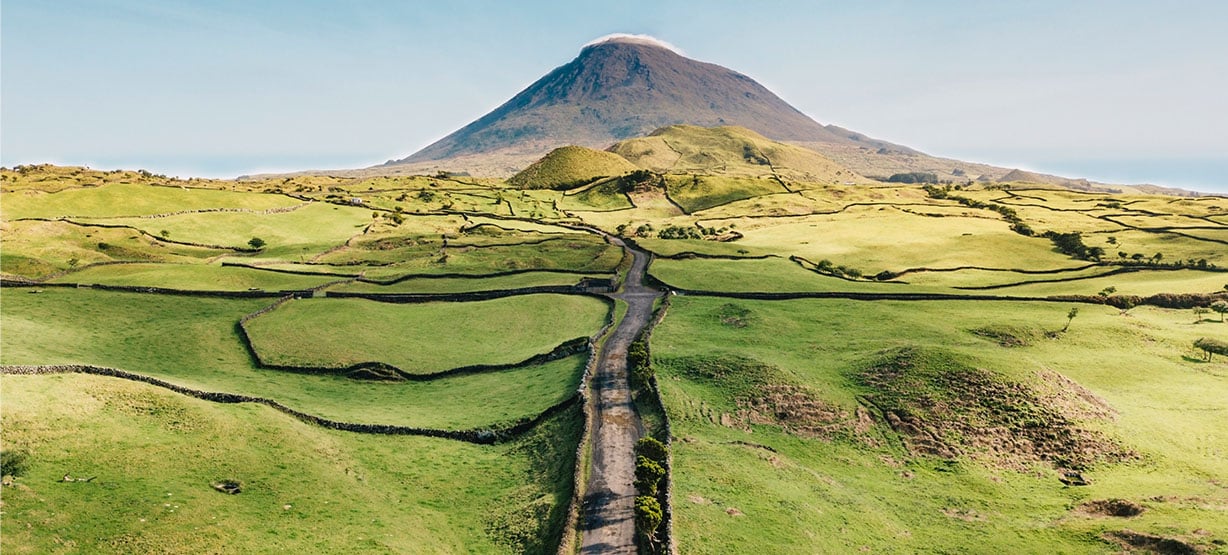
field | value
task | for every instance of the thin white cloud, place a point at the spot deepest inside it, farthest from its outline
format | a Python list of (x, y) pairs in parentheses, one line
[(642, 39)]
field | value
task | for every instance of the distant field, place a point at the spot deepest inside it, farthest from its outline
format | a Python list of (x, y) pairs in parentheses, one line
[(422, 338), (783, 487), (193, 276), (153, 456), (291, 235), (131, 199)]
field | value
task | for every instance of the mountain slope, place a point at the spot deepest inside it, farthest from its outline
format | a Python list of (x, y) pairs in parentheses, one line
[(622, 88), (734, 151)]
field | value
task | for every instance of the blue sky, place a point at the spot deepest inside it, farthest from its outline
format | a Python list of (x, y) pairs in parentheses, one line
[(1120, 91)]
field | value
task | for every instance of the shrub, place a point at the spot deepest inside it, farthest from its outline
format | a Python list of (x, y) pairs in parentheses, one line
[(648, 515), (13, 462), (651, 449), (647, 475)]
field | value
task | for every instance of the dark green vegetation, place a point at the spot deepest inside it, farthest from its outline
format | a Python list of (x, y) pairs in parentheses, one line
[(909, 407)]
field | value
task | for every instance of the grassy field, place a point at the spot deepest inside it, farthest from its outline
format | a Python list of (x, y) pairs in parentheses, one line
[(37, 249), (291, 235), (210, 277), (460, 285), (811, 477), (154, 454), (422, 338), (132, 199), (799, 426), (192, 342)]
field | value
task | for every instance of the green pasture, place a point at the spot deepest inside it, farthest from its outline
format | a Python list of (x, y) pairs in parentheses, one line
[(37, 249), (154, 455), (461, 285), (292, 236), (192, 341), (700, 192), (763, 488), (422, 338), (132, 199), (208, 277)]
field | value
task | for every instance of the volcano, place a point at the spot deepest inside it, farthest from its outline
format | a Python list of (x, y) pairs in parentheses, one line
[(620, 88)]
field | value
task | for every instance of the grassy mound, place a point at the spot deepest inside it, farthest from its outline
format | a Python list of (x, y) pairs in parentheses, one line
[(729, 151), (569, 167), (762, 394), (941, 405)]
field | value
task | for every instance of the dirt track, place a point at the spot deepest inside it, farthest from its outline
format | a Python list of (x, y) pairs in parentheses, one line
[(608, 524)]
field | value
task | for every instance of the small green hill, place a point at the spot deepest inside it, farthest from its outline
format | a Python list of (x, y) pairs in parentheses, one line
[(734, 151), (569, 167)]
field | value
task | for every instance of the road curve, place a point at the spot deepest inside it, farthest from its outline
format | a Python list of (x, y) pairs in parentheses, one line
[(608, 521)]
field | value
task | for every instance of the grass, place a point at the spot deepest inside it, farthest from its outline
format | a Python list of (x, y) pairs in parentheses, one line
[(154, 455), (569, 166), (696, 192), (802, 494), (460, 285), (422, 338), (132, 199), (729, 151), (192, 341), (290, 236), (210, 277), (37, 249), (602, 195)]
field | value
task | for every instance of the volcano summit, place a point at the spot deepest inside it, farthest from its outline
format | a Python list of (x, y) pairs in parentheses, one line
[(623, 87)]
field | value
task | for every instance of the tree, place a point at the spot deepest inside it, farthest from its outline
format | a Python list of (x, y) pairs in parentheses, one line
[(1211, 346), (164, 233), (1070, 316), (1221, 307), (256, 242), (647, 515), (72, 262), (1199, 312), (1106, 291)]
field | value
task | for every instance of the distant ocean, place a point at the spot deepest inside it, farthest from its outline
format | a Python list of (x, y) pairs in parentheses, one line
[(1208, 175)]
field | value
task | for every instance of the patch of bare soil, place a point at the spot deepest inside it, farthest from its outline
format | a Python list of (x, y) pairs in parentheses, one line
[(796, 410), (942, 406), (1112, 507), (1149, 543)]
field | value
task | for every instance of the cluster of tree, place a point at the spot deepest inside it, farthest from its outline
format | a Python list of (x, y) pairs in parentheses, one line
[(1072, 244), (1140, 259), (651, 462), (639, 180), (1009, 214), (826, 266), (913, 177), (689, 232), (1220, 307)]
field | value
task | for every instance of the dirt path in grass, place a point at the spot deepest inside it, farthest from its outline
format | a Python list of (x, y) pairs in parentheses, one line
[(608, 524)]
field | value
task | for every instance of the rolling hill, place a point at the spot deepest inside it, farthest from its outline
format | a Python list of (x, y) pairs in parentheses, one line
[(735, 151)]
